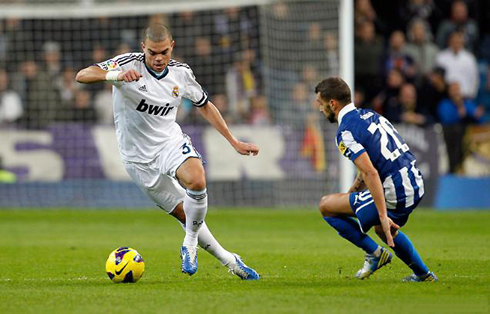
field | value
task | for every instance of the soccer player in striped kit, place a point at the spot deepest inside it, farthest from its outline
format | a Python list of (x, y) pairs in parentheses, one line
[(388, 187), (148, 88)]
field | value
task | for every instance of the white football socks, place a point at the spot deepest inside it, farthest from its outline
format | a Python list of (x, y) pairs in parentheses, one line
[(209, 243), (196, 231), (195, 208)]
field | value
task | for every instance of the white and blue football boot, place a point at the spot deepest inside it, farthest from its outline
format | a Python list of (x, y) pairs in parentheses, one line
[(188, 255), (429, 277), (373, 263), (239, 268)]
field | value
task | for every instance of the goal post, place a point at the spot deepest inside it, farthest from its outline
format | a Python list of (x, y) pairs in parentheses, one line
[(346, 30)]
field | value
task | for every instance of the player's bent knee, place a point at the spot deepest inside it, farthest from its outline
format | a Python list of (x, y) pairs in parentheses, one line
[(325, 206), (197, 185)]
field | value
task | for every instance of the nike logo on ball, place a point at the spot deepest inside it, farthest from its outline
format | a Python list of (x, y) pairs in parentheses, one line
[(120, 271)]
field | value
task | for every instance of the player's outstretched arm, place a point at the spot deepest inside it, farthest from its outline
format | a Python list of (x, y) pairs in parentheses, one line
[(94, 74), (373, 182), (213, 116)]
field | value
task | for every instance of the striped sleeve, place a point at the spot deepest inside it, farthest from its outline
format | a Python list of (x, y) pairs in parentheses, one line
[(194, 91), (116, 63), (348, 146)]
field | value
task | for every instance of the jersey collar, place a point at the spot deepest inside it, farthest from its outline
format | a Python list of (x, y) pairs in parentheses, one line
[(158, 77), (346, 110)]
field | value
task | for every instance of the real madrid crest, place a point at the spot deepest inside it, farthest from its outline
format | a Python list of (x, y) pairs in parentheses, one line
[(175, 92)]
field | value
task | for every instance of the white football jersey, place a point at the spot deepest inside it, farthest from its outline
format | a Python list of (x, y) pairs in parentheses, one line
[(145, 110)]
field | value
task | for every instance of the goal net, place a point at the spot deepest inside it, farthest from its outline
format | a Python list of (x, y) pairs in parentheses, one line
[(259, 60)]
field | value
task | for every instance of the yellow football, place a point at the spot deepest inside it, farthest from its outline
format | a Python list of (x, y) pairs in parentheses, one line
[(125, 265)]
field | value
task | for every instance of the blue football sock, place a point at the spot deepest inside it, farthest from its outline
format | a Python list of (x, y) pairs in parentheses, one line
[(405, 250), (349, 229)]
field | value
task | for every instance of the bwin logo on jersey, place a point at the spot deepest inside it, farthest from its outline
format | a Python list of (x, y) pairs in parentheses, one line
[(155, 110)]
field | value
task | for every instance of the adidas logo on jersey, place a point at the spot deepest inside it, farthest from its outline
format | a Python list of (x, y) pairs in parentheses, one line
[(155, 110), (143, 88)]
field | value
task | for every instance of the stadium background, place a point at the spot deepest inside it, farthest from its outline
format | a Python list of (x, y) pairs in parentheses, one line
[(259, 61)]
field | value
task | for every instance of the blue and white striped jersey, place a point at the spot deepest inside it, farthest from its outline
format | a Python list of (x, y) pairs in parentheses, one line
[(366, 131)]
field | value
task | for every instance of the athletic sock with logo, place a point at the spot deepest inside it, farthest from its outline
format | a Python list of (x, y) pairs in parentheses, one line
[(208, 242), (405, 250), (195, 208), (349, 230)]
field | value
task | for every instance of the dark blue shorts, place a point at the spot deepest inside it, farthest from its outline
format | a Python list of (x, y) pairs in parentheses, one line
[(362, 204)]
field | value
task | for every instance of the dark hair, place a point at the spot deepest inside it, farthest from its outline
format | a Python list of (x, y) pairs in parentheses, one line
[(334, 88), (439, 70), (157, 32)]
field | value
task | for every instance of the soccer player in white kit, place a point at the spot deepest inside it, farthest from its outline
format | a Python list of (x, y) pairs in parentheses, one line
[(148, 88)]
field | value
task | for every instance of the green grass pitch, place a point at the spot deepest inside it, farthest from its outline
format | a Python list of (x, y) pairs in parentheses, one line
[(52, 261)]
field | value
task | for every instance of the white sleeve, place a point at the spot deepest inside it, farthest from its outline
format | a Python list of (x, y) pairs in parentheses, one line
[(116, 64), (193, 90), (111, 64)]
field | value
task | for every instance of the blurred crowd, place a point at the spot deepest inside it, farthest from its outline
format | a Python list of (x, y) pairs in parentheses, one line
[(427, 64), (416, 61), (40, 58)]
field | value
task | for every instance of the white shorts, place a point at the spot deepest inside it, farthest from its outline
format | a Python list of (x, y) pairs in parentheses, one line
[(157, 178)]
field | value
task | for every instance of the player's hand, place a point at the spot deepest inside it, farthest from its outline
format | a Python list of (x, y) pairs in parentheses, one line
[(129, 76), (389, 228), (246, 148)]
